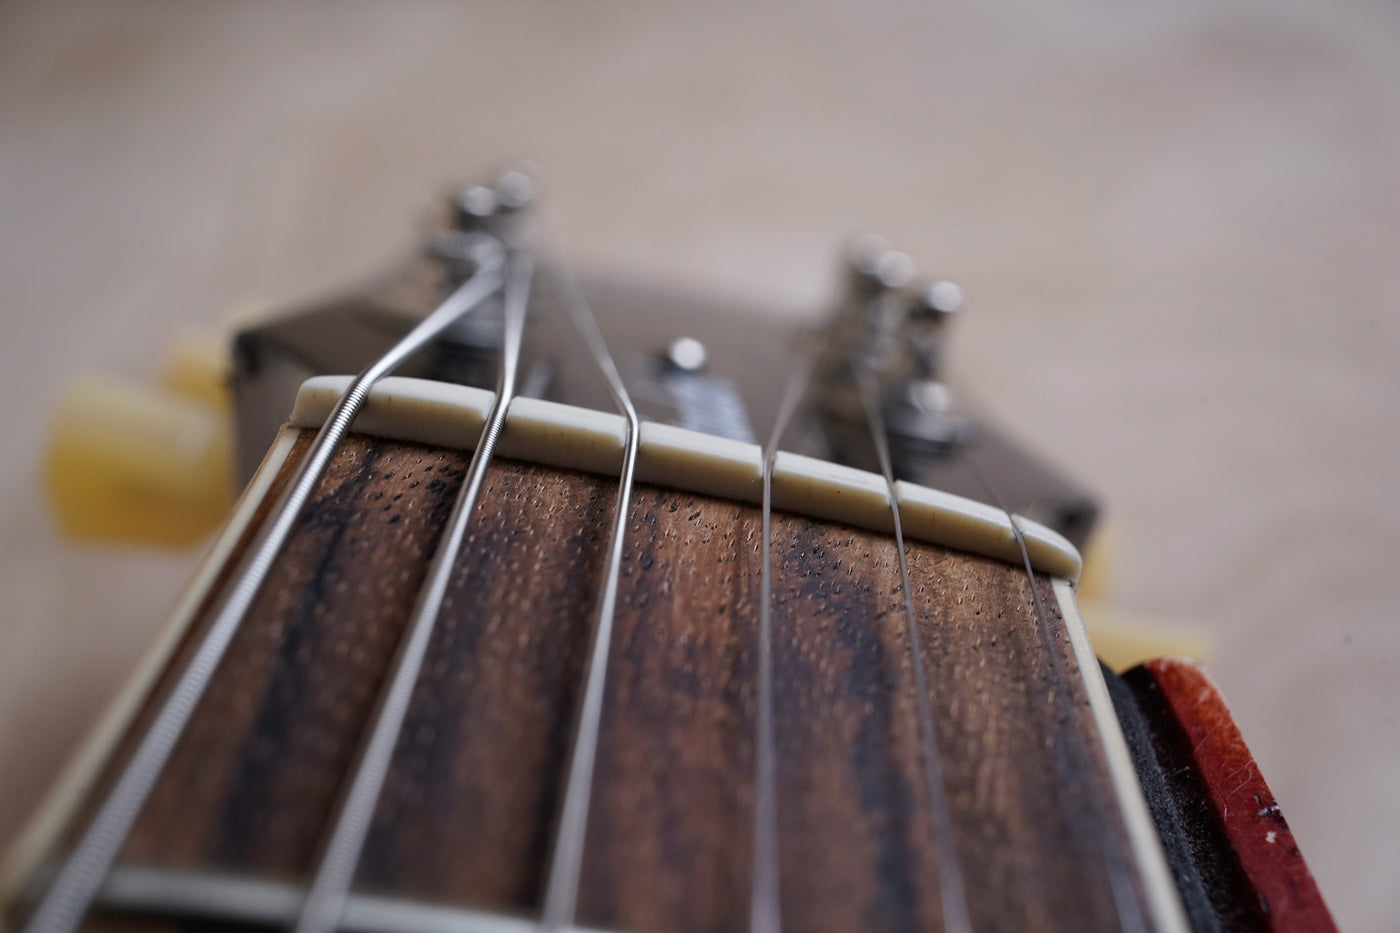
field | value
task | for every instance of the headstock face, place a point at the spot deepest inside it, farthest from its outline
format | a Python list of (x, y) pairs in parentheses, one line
[(715, 367)]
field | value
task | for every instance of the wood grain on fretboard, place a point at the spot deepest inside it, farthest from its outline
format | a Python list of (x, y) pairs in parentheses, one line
[(468, 813)]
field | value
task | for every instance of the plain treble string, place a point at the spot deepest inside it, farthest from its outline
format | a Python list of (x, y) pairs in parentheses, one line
[(952, 894), (561, 893), (66, 901), (765, 915), (1125, 901), (325, 901)]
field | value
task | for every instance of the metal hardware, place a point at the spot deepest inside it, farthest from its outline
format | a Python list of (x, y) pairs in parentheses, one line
[(699, 364), (472, 206), (146, 892), (515, 190), (687, 354), (66, 901), (892, 331)]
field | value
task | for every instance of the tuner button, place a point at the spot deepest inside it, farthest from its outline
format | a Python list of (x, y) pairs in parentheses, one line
[(939, 298), (472, 205), (482, 249), (874, 264), (140, 465), (895, 270), (467, 252), (864, 252), (515, 189), (687, 354)]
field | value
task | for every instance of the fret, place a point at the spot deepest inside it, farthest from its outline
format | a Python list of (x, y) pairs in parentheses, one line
[(145, 891)]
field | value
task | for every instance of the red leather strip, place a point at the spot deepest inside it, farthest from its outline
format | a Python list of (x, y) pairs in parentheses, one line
[(1253, 823)]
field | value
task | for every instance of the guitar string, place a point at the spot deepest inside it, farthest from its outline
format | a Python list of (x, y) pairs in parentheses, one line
[(952, 894), (765, 915), (325, 901), (66, 901), (1125, 901), (561, 893), (321, 910)]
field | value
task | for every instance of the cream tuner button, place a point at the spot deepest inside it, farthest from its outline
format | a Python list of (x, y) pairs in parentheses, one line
[(132, 464)]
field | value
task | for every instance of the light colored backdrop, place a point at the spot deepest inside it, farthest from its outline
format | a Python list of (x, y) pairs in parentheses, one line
[(1178, 224)]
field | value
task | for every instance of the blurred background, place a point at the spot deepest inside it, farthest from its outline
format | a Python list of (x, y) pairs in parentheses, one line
[(1178, 226)]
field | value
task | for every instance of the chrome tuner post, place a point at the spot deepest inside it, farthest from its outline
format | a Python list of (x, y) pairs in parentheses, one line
[(890, 329), (474, 211), (478, 218)]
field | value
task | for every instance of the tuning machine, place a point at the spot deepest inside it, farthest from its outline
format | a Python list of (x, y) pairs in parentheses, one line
[(890, 329), (481, 220)]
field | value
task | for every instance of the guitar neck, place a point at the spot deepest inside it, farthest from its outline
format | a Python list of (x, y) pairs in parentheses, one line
[(492, 662), (1046, 828)]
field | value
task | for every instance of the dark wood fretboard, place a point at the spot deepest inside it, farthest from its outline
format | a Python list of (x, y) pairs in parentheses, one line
[(471, 802)]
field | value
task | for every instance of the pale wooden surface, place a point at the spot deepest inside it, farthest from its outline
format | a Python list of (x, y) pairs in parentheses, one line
[(1178, 227)]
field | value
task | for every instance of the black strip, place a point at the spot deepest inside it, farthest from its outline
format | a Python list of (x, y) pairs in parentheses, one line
[(1232, 896), (1166, 814)]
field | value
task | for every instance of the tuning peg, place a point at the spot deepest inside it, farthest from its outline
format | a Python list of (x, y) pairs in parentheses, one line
[(472, 206), (463, 252), (515, 189), (139, 465), (198, 367), (937, 300), (686, 354), (876, 266)]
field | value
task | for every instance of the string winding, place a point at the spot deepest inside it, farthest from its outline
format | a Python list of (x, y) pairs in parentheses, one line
[(67, 899), (325, 901)]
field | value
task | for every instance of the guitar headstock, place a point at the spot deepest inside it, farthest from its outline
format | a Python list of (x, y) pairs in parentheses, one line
[(687, 361)]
